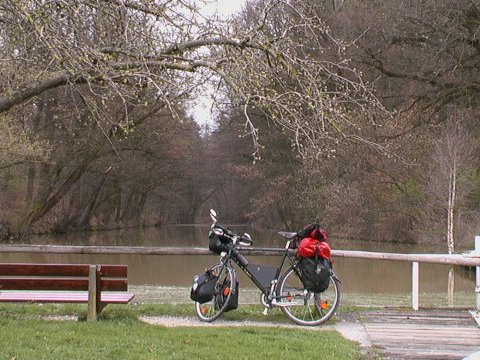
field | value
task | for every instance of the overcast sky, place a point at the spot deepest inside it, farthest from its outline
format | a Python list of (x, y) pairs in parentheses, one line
[(201, 108), (225, 7)]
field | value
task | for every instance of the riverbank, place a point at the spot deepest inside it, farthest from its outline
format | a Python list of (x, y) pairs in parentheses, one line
[(146, 294)]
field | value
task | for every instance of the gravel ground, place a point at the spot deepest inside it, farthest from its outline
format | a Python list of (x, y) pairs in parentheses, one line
[(174, 321)]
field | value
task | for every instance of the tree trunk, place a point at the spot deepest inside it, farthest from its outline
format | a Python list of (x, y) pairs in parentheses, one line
[(84, 220), (53, 196), (451, 210)]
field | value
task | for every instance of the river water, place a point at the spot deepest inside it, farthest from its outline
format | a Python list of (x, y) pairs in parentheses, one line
[(373, 277)]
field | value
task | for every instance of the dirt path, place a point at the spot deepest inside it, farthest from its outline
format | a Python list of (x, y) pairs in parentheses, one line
[(174, 321)]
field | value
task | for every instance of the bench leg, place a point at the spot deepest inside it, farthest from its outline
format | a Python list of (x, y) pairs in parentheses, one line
[(93, 291), (98, 294)]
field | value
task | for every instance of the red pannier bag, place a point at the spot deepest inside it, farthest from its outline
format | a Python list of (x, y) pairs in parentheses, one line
[(310, 247)]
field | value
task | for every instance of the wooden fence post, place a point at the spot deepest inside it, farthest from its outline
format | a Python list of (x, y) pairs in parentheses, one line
[(415, 286), (92, 293)]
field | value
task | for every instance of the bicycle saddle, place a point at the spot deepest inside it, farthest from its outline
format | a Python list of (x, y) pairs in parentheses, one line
[(287, 235)]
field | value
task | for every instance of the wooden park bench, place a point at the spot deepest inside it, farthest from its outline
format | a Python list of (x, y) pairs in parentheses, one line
[(96, 285)]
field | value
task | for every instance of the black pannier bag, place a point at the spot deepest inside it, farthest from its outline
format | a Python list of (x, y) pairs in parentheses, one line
[(203, 288), (217, 244), (221, 297), (315, 273)]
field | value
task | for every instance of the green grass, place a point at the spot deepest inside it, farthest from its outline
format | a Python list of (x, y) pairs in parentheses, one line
[(122, 312), (120, 335)]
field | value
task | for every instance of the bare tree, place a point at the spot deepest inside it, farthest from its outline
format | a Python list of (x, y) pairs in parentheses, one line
[(125, 45), (453, 160), (423, 54)]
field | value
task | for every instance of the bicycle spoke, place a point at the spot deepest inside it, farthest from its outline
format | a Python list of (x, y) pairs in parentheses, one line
[(211, 310), (306, 308)]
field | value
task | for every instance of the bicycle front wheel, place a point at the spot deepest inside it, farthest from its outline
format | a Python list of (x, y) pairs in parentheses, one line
[(304, 307), (224, 288)]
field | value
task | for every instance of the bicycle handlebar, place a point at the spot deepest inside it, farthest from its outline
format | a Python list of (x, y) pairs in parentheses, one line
[(223, 231), (236, 240)]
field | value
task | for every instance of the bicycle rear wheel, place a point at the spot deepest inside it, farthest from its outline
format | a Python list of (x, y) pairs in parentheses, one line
[(224, 288), (304, 307)]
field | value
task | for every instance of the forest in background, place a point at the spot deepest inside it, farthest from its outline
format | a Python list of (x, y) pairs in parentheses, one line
[(362, 115)]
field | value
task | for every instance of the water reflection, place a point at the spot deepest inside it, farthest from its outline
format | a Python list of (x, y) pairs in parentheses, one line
[(357, 275)]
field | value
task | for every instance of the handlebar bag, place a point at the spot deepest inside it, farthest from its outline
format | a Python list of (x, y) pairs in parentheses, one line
[(217, 244), (315, 273), (203, 287)]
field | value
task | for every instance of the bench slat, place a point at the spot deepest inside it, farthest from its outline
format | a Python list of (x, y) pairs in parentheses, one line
[(44, 270), (117, 271), (63, 297), (60, 284), (27, 269)]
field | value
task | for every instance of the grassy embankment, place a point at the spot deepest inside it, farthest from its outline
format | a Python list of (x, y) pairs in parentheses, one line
[(119, 334)]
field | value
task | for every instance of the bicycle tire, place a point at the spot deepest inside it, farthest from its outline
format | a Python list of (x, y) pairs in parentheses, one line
[(304, 307), (224, 288)]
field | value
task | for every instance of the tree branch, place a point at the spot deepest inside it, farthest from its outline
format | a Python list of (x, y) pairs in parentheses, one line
[(36, 88), (155, 10)]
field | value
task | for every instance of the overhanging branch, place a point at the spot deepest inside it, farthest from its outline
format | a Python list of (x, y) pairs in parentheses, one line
[(36, 88)]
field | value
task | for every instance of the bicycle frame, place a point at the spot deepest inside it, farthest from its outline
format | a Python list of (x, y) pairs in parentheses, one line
[(270, 292)]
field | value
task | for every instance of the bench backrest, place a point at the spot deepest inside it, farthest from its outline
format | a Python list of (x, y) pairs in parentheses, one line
[(61, 277)]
